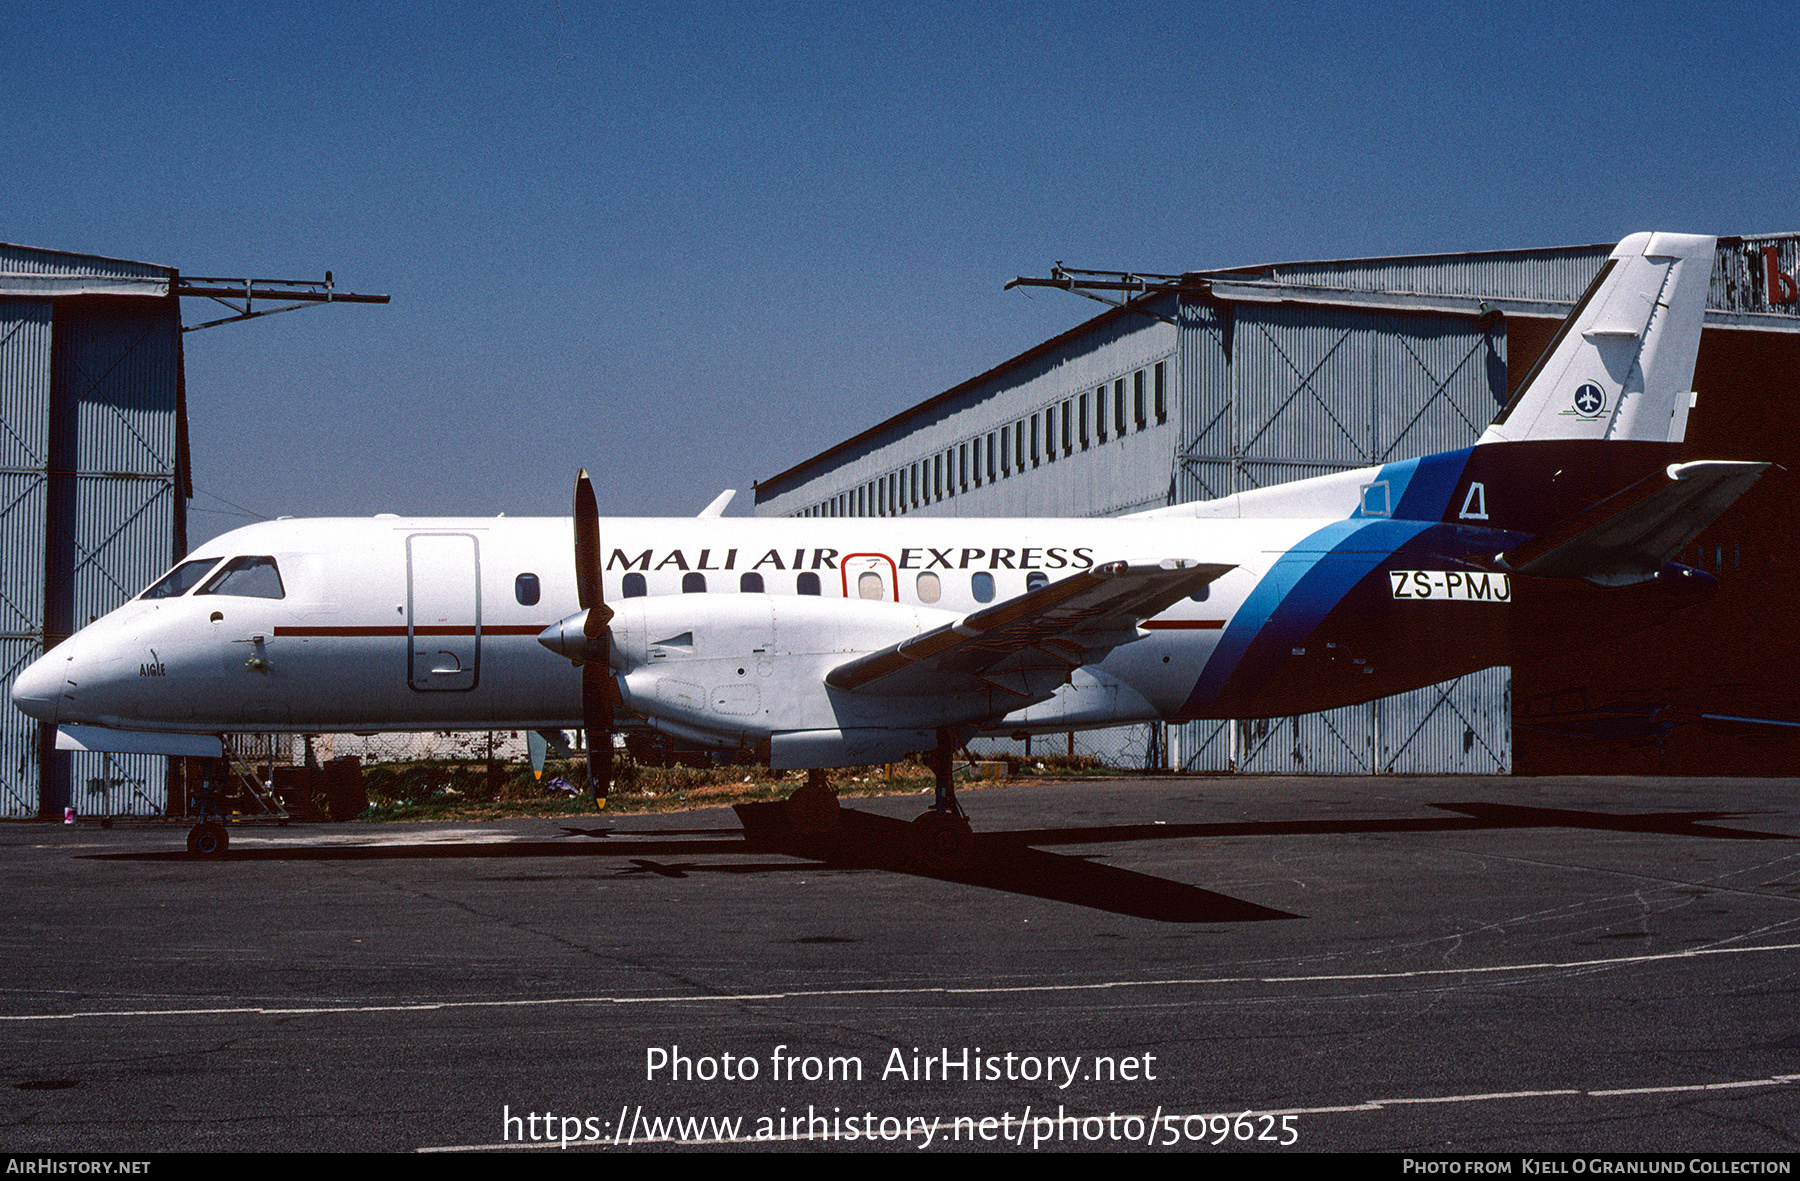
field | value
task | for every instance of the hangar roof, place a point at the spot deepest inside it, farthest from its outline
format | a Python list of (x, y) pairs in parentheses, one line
[(1536, 282), (31, 272)]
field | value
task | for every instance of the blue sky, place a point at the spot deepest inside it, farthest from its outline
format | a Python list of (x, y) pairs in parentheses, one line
[(689, 245)]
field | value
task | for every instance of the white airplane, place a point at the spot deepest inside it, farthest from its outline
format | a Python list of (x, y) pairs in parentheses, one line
[(850, 641)]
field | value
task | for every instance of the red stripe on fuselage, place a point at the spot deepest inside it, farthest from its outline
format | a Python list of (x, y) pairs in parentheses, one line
[(508, 629)]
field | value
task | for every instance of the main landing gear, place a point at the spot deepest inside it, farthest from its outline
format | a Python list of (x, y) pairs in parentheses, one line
[(942, 837), (938, 839)]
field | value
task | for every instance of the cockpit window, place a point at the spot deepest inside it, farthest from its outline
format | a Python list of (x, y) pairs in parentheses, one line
[(250, 578), (180, 580)]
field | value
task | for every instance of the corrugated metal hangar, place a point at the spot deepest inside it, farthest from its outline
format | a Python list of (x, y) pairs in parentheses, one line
[(94, 481), (1206, 383), (93, 467)]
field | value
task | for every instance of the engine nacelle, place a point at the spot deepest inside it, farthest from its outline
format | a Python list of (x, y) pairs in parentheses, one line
[(739, 670)]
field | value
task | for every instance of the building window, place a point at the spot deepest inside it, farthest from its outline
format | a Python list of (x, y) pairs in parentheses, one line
[(1083, 405), (962, 466), (1119, 407), (1100, 413), (1162, 392), (1019, 445), (1036, 428), (990, 458), (1137, 399), (1050, 434), (1068, 435)]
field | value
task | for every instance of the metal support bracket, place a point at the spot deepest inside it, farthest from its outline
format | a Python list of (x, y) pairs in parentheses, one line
[(240, 295)]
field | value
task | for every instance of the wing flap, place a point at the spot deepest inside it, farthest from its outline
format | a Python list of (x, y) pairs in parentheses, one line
[(1012, 645)]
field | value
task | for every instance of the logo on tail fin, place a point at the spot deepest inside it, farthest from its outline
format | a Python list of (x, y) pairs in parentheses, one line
[(1589, 400)]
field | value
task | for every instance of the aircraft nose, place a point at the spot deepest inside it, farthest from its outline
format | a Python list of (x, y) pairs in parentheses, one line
[(38, 690)]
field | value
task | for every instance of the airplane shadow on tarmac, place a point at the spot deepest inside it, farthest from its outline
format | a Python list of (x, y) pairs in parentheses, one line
[(1006, 861)]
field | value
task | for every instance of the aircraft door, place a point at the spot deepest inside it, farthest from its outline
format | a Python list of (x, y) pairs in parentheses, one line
[(443, 612)]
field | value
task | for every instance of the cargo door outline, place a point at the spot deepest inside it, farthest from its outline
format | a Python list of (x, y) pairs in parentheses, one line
[(443, 612)]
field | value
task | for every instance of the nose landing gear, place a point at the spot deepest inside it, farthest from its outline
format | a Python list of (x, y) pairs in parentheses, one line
[(208, 839)]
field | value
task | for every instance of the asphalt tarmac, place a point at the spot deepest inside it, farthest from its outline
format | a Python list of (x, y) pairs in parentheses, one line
[(1484, 965)]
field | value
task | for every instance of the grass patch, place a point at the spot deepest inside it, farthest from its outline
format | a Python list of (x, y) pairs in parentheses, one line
[(452, 790)]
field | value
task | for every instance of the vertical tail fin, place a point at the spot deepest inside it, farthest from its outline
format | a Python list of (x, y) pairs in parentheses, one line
[(1622, 365)]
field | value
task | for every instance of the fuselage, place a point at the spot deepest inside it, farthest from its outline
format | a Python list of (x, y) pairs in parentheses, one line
[(392, 623)]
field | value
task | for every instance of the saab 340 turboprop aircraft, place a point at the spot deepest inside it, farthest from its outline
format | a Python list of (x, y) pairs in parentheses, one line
[(848, 641)]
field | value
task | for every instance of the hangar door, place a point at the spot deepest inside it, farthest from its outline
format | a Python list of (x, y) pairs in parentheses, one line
[(1273, 393), (24, 468), (113, 507)]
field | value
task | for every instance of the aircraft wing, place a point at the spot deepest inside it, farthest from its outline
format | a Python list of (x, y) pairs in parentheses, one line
[(1627, 537), (1027, 646)]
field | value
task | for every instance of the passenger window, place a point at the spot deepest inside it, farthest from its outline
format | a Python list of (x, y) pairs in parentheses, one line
[(526, 590), (930, 589), (868, 586), (180, 580), (249, 578), (982, 584), (750, 584), (807, 584), (1036, 580), (634, 586), (693, 584)]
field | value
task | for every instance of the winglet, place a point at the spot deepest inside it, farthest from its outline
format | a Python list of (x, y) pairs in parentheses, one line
[(717, 507)]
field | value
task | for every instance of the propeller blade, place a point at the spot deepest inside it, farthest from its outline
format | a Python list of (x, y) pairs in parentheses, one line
[(597, 718), (597, 687), (588, 564)]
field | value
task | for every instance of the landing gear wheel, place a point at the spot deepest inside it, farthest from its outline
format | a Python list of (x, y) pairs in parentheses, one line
[(208, 839), (943, 840)]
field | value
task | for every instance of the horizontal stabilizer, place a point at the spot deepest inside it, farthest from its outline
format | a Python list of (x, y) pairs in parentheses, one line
[(1628, 537), (1022, 644)]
